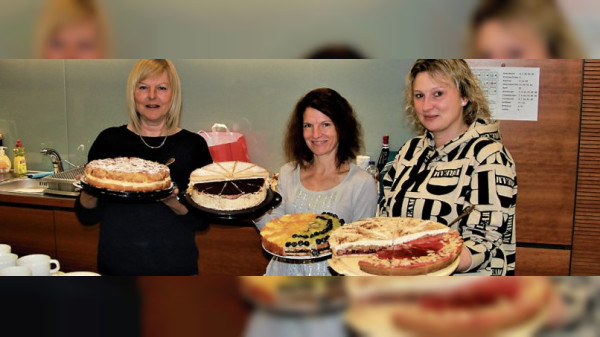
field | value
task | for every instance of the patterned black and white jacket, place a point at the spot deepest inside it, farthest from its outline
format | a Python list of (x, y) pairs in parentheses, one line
[(438, 184)]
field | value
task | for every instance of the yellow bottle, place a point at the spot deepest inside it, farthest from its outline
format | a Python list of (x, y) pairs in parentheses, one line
[(4, 161), (20, 167)]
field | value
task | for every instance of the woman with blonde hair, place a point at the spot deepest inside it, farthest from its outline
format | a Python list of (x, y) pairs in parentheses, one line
[(458, 161), (521, 29), (72, 29), (148, 238)]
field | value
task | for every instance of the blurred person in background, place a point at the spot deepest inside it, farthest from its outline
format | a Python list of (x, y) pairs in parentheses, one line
[(295, 306), (322, 139), (576, 311), (521, 29), (156, 238), (457, 161), (72, 29), (335, 51)]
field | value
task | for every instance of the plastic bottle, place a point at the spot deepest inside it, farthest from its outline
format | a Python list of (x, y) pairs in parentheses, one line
[(372, 170), (20, 167), (4, 161), (385, 152)]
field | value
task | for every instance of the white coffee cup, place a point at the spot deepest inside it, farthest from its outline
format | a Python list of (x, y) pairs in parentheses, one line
[(362, 161), (8, 260), (39, 264), (4, 249), (15, 271)]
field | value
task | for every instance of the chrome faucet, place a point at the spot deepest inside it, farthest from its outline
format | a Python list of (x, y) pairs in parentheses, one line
[(55, 157)]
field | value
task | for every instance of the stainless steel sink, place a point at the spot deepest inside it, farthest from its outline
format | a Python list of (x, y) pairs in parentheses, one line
[(22, 185), (6, 176)]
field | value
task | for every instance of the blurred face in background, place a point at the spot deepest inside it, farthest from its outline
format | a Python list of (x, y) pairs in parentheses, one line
[(501, 39), (153, 96), (78, 40)]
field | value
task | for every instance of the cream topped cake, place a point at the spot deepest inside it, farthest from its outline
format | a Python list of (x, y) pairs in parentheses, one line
[(229, 186)]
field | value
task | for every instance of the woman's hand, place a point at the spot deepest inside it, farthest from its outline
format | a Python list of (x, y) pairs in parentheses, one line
[(465, 260), (173, 202), (88, 200)]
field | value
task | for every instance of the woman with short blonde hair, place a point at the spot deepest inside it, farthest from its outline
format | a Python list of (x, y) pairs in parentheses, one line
[(151, 67), (149, 238), (72, 29)]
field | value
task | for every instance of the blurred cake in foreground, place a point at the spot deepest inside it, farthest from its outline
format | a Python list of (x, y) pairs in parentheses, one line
[(292, 294), (448, 306)]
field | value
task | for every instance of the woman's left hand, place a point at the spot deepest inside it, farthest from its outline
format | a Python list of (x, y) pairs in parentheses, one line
[(173, 202), (465, 260)]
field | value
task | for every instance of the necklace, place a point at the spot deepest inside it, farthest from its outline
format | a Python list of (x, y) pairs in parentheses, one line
[(154, 147)]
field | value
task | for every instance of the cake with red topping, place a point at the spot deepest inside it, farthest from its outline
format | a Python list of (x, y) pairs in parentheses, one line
[(397, 246), (449, 306)]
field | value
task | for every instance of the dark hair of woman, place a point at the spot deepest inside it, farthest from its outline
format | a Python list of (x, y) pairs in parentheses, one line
[(333, 105)]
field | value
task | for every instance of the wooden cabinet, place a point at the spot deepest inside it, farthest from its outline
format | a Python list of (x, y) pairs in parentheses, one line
[(231, 250), (542, 262), (56, 233), (54, 230), (76, 245), (28, 230)]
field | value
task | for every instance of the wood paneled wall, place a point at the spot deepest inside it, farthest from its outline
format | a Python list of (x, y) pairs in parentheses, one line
[(545, 152), (586, 235)]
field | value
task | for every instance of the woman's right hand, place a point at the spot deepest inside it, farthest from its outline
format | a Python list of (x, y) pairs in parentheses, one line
[(87, 200)]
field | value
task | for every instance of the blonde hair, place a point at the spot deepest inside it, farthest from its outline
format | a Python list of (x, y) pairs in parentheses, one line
[(454, 71), (151, 67), (60, 13), (543, 16)]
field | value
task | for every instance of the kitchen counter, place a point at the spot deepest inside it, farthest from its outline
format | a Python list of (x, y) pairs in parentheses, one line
[(41, 223), (37, 199)]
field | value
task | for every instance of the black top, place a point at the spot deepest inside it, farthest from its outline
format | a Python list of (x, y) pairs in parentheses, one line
[(73, 306), (147, 238)]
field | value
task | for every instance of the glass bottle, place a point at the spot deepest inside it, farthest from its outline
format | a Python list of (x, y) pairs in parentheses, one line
[(385, 152)]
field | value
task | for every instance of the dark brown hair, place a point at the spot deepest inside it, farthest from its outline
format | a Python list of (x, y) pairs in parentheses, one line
[(333, 105)]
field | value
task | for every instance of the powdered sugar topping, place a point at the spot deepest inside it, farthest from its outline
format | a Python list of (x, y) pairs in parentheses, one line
[(128, 165)]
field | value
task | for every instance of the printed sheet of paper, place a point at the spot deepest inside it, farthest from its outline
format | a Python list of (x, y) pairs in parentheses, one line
[(512, 92)]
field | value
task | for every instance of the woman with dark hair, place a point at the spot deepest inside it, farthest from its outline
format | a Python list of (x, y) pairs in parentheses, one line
[(322, 139)]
